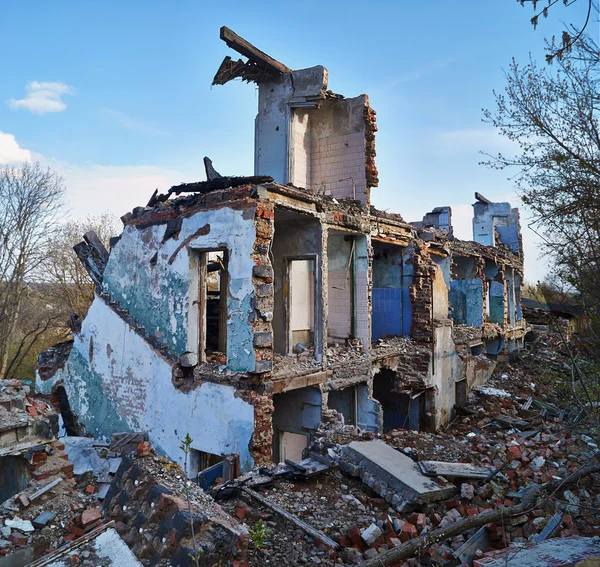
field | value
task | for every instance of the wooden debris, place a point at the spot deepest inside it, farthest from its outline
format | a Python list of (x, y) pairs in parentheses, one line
[(319, 536), (480, 540), (550, 528), (45, 489), (248, 50)]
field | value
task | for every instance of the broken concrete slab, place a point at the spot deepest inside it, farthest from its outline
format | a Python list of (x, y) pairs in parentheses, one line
[(19, 524), (43, 519), (565, 552), (480, 541), (384, 469)]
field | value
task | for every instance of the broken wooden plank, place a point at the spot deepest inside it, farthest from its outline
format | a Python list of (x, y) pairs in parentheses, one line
[(527, 403), (480, 540), (450, 470), (549, 529), (248, 50), (319, 536), (45, 489), (71, 546)]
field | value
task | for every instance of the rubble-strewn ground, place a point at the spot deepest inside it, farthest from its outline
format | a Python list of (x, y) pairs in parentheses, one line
[(535, 445), (525, 424)]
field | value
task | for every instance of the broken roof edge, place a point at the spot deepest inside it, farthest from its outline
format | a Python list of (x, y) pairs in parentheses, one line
[(496, 253), (162, 208), (258, 68)]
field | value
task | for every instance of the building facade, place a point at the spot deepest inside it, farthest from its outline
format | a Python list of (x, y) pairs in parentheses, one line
[(247, 309)]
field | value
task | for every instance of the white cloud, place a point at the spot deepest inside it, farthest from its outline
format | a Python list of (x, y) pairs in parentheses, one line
[(133, 124), (42, 97), (93, 189), (10, 151)]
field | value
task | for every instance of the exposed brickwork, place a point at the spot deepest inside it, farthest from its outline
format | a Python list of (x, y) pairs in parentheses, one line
[(183, 207), (262, 278), (261, 445), (370, 153), (421, 293)]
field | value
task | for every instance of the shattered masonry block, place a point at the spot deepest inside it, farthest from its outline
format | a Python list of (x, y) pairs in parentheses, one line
[(399, 472)]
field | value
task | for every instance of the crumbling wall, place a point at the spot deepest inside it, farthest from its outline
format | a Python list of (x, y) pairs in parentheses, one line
[(338, 150), (153, 276), (439, 218), (116, 382), (495, 223), (263, 277), (311, 138), (466, 291)]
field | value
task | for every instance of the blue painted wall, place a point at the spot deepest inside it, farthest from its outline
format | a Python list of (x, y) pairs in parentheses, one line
[(157, 294), (392, 276), (368, 410), (466, 299), (497, 302)]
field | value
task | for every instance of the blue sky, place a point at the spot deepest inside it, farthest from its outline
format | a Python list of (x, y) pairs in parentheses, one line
[(116, 95)]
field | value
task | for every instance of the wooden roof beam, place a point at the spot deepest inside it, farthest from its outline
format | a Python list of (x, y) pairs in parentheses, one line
[(248, 50)]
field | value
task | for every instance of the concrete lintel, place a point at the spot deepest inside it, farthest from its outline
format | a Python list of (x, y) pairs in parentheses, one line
[(342, 383), (293, 204), (295, 382)]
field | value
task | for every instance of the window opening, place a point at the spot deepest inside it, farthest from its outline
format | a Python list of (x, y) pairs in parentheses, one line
[(212, 303), (301, 304)]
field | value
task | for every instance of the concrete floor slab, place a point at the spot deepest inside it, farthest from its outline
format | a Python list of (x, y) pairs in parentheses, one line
[(396, 469), (564, 552)]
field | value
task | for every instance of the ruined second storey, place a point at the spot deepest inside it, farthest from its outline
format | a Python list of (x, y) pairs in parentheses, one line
[(245, 311)]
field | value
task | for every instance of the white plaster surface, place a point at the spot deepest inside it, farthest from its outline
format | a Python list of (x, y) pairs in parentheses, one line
[(137, 382), (107, 546)]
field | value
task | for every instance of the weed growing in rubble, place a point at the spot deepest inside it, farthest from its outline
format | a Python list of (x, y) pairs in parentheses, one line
[(259, 535), (186, 447)]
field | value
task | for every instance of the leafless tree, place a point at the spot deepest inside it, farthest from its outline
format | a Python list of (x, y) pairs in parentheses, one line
[(551, 113), (69, 284), (31, 202), (570, 36)]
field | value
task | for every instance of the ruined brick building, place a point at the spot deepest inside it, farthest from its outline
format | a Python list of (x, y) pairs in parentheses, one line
[(249, 310)]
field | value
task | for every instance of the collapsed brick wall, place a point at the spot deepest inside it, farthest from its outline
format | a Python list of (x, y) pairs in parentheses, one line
[(155, 522)]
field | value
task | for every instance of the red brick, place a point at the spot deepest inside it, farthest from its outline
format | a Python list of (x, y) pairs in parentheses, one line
[(18, 539), (514, 453), (32, 411), (409, 531), (355, 537), (90, 489), (90, 516), (40, 475), (167, 500), (39, 458), (144, 449), (240, 512)]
